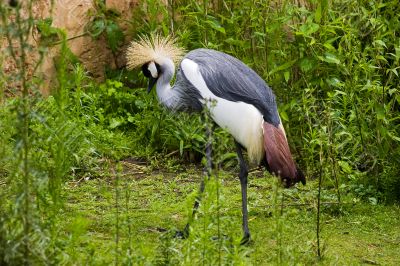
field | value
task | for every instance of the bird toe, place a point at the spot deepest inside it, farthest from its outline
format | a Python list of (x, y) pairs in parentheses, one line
[(246, 240)]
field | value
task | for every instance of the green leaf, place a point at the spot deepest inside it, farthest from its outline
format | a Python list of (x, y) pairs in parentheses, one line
[(329, 58), (308, 29), (111, 91), (380, 57), (115, 36), (97, 28), (321, 10), (117, 84), (215, 24), (338, 92), (345, 167), (380, 43), (284, 116), (260, 34), (130, 119), (318, 13), (283, 67), (335, 82), (392, 136), (235, 42), (373, 200), (286, 75), (114, 123), (181, 147), (154, 130), (228, 156), (198, 138), (394, 70), (329, 46), (45, 28), (306, 64), (380, 112)]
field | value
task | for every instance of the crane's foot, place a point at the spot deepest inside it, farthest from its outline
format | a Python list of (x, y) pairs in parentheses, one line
[(246, 240), (182, 234)]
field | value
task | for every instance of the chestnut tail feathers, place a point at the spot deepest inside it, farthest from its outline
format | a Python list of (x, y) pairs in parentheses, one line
[(278, 156)]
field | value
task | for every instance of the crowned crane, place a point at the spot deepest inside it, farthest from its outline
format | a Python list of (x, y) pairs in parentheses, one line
[(238, 100)]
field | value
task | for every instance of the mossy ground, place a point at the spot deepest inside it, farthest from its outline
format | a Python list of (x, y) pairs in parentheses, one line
[(152, 205)]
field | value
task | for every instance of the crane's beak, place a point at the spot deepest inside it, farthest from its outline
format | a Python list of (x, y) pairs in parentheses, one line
[(152, 82)]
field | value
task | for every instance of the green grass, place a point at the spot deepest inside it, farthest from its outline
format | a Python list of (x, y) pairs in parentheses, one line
[(151, 202)]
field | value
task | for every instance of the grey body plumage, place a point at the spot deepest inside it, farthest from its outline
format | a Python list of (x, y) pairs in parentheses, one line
[(228, 78)]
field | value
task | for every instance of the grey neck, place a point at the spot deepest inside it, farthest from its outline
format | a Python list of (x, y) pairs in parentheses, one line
[(164, 92)]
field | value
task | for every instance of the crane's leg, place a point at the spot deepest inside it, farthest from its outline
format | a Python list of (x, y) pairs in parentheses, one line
[(206, 176), (243, 183)]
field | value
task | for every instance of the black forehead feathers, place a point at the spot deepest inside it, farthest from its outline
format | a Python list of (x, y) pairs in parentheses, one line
[(146, 71)]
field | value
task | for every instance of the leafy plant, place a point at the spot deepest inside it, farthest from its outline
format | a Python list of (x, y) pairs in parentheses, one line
[(104, 22)]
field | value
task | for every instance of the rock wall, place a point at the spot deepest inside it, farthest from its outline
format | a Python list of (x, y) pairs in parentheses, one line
[(72, 15)]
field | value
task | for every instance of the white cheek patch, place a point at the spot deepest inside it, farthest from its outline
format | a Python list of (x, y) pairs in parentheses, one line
[(153, 70)]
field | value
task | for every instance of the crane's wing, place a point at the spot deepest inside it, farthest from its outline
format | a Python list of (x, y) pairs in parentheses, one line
[(229, 78)]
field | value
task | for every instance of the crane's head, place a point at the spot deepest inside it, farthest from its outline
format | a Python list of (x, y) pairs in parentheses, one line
[(152, 71), (152, 53), (299, 177)]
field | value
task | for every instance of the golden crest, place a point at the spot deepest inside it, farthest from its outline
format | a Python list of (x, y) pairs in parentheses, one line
[(153, 48)]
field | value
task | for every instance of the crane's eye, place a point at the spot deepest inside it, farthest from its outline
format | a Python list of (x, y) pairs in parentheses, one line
[(146, 71)]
